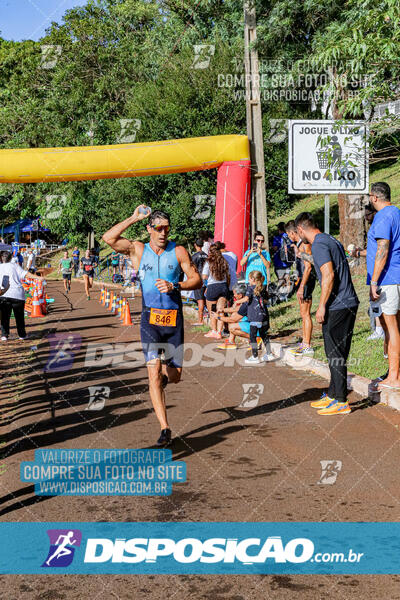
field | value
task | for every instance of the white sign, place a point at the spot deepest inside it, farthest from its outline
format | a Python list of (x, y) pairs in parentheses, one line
[(328, 157)]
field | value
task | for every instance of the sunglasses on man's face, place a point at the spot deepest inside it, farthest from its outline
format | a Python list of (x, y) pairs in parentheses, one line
[(160, 228), (259, 240)]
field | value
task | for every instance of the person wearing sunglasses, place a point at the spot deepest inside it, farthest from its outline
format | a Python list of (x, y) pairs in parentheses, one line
[(257, 259), (159, 264)]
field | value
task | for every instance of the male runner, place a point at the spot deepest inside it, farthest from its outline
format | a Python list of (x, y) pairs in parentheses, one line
[(306, 274), (159, 265)]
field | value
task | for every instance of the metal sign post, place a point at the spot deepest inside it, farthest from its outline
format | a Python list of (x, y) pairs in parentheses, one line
[(326, 214)]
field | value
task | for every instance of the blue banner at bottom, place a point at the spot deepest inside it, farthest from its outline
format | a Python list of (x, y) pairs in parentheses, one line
[(200, 548)]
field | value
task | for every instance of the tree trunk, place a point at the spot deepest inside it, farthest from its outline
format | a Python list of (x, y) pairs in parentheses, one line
[(352, 223)]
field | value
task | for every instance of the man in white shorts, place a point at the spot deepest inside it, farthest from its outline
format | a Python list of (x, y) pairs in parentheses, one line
[(383, 268)]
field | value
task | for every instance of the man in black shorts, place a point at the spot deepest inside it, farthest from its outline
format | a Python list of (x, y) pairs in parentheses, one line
[(306, 274), (159, 265), (199, 257)]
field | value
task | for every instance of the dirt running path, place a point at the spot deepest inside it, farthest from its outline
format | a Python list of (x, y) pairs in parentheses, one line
[(243, 464)]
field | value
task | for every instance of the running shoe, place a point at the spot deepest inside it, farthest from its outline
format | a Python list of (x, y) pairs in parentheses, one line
[(213, 334), (336, 408), (302, 350), (88, 297), (252, 360), (297, 349), (268, 357), (323, 402), (165, 438), (227, 345), (4, 338), (376, 336)]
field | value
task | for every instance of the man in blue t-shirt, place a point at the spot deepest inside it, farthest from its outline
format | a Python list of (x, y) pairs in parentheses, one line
[(336, 311), (383, 274), (75, 257), (257, 259), (282, 267)]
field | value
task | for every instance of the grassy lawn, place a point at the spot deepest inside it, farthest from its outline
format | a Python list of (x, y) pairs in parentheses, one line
[(366, 358)]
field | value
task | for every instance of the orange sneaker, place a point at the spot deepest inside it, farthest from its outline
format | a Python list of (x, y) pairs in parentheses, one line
[(336, 408), (323, 402)]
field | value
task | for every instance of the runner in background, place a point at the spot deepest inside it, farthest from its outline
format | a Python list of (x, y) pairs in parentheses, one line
[(88, 265), (160, 265), (75, 257), (199, 257), (65, 267), (306, 274)]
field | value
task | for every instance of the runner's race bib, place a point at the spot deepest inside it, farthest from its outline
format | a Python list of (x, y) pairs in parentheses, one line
[(163, 317), (88, 268)]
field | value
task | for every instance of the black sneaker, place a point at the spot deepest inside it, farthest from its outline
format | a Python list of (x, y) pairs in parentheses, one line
[(165, 438)]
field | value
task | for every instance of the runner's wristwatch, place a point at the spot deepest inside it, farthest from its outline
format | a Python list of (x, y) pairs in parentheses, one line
[(374, 283), (176, 287)]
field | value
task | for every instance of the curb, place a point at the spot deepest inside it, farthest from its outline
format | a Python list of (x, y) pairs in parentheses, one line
[(361, 385)]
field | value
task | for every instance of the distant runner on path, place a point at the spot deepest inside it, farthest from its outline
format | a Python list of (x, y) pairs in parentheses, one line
[(159, 265)]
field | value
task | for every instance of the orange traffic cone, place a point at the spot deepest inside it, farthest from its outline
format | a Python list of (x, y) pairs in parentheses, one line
[(103, 300), (101, 295), (111, 300), (127, 316), (36, 310), (122, 313)]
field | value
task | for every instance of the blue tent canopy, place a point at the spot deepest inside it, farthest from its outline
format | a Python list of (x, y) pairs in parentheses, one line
[(21, 225)]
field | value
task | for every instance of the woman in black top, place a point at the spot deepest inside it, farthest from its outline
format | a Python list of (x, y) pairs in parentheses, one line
[(88, 264)]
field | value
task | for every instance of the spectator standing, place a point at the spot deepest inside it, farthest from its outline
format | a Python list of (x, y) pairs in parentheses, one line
[(30, 261), (383, 274), (306, 274), (13, 300), (336, 311), (216, 275), (199, 258), (281, 239), (257, 259), (75, 257)]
